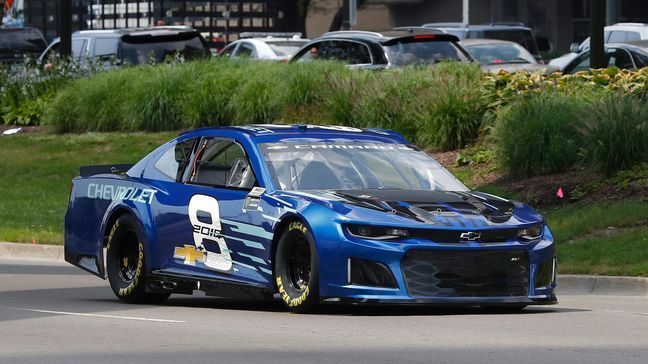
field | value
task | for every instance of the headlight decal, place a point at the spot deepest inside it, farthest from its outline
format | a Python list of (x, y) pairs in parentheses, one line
[(377, 232), (530, 233)]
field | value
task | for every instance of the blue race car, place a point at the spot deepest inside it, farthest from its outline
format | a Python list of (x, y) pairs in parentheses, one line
[(313, 213)]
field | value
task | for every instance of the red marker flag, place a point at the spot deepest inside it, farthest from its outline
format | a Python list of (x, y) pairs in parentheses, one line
[(560, 192)]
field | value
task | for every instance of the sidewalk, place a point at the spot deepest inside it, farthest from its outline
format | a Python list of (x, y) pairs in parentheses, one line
[(567, 284)]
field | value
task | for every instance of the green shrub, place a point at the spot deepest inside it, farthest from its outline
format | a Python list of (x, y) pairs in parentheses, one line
[(26, 89), (537, 134), (450, 108), (259, 96), (615, 133), (304, 82), (445, 107), (440, 107), (386, 102)]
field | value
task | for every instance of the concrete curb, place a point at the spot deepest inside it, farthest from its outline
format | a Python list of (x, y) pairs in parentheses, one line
[(14, 251), (567, 284), (602, 285)]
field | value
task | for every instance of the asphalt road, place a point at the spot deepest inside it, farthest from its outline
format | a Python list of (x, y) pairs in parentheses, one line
[(54, 313)]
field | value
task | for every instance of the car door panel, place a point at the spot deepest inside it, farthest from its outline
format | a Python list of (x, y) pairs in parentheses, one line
[(207, 231)]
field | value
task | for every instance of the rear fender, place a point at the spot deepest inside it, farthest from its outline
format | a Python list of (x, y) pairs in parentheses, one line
[(89, 256)]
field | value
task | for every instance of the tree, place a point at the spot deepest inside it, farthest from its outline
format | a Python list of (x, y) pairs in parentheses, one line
[(296, 12), (294, 15), (338, 19)]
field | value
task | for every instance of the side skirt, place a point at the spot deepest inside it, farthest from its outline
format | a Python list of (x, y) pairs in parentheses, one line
[(161, 281)]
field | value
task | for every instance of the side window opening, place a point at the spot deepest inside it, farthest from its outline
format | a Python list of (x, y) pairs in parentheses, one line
[(222, 163), (227, 52), (245, 50), (310, 54), (349, 52), (174, 161), (620, 58), (78, 47), (104, 48)]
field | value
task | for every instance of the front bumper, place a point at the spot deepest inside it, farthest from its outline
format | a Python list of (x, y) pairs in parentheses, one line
[(336, 283), (450, 301)]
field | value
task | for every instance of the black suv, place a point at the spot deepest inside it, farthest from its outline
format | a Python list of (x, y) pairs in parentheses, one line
[(17, 43), (398, 48)]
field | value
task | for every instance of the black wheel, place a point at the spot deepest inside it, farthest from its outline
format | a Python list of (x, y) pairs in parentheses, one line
[(504, 308), (126, 265), (296, 269)]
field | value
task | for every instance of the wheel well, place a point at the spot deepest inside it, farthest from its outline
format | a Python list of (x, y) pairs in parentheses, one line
[(111, 222)]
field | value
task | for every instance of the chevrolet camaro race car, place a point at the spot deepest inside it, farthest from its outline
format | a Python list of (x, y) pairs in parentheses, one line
[(314, 213)]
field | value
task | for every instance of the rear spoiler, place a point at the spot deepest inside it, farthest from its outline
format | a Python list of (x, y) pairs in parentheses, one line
[(422, 37), (86, 171), (156, 36)]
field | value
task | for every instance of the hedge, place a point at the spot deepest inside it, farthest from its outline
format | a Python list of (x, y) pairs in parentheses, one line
[(444, 107)]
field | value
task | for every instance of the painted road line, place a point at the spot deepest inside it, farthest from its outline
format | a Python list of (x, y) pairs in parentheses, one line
[(628, 312), (96, 315)]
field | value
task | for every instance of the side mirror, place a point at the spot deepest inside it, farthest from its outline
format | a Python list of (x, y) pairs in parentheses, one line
[(575, 48)]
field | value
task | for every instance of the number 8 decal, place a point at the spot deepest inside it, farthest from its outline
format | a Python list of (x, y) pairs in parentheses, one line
[(207, 226)]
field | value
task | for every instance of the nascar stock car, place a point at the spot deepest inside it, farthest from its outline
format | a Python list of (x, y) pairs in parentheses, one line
[(316, 214)]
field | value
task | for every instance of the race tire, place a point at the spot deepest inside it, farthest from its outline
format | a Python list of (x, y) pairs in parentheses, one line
[(126, 263), (297, 269)]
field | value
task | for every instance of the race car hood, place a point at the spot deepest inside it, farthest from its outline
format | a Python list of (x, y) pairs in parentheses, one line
[(457, 209)]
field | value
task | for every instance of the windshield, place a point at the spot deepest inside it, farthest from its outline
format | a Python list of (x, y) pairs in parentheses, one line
[(286, 48), (143, 52), (351, 165), (21, 40), (499, 53), (408, 53)]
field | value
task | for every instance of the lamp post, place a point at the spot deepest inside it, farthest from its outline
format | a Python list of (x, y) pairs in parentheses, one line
[(65, 26), (597, 22)]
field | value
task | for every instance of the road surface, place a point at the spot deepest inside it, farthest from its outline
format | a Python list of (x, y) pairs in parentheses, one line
[(55, 313)]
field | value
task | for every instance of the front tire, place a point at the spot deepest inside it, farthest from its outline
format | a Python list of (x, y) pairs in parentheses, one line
[(126, 263), (297, 269)]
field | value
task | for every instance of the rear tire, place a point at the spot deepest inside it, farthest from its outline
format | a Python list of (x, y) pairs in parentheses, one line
[(126, 263), (297, 269)]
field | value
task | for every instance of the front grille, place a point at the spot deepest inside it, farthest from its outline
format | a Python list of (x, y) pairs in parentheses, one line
[(454, 236), (462, 273)]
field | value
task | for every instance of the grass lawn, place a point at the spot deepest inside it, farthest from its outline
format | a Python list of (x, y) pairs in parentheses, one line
[(608, 239), (35, 175), (612, 252), (36, 169)]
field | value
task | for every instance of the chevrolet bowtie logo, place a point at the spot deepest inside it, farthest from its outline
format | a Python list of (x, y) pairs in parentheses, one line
[(190, 254), (470, 235)]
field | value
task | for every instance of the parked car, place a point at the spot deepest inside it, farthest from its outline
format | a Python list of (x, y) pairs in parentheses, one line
[(624, 56), (617, 33), (268, 46), (494, 55), (17, 43), (517, 33), (396, 48), (317, 214), (134, 46)]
